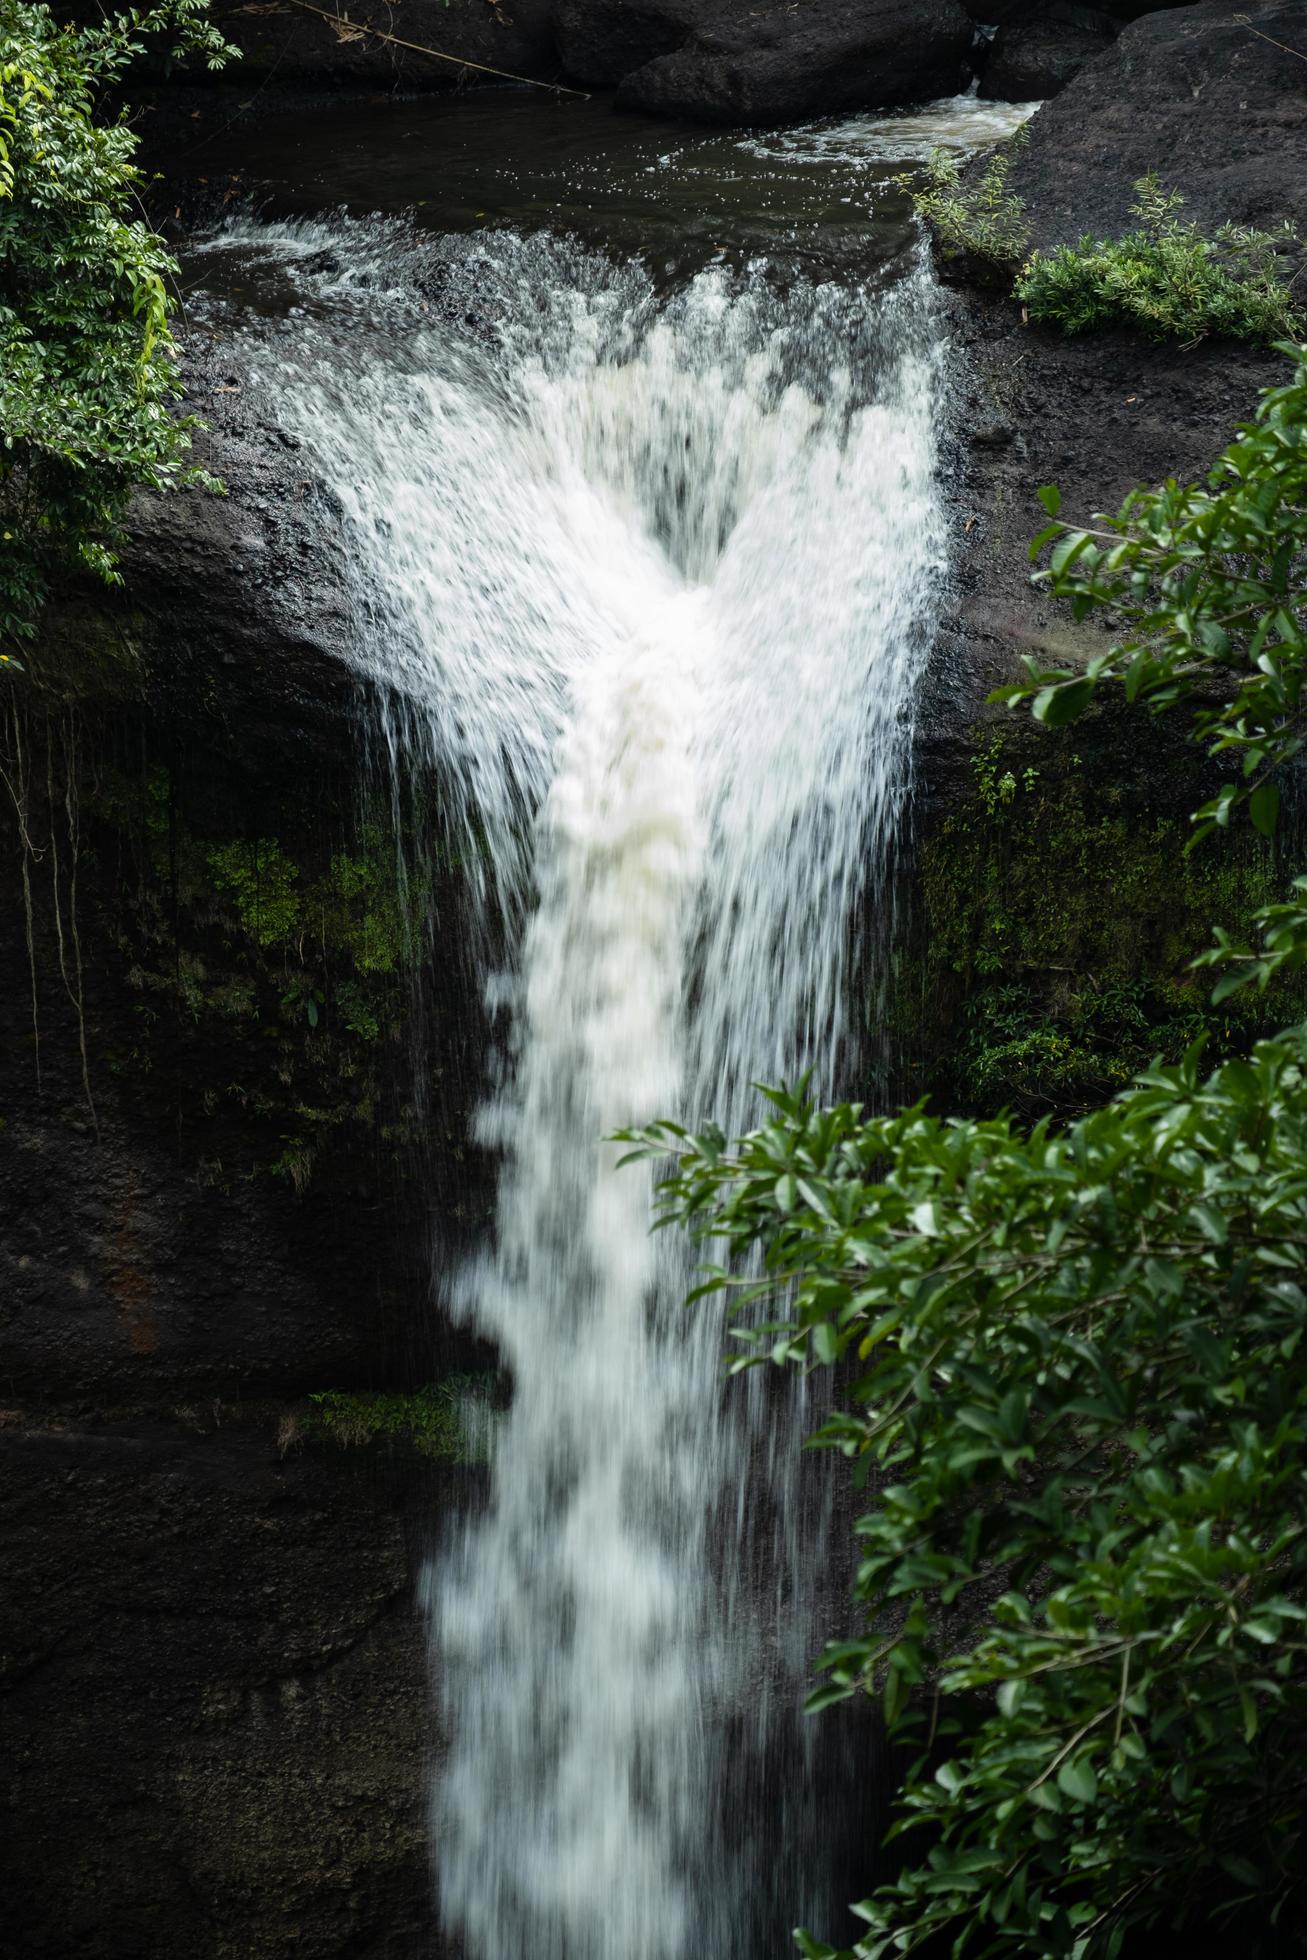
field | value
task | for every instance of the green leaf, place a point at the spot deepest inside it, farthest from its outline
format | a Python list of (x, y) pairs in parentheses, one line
[(812, 1949), (1231, 983), (1264, 807), (1058, 705), (1076, 1779), (825, 1342), (823, 1697)]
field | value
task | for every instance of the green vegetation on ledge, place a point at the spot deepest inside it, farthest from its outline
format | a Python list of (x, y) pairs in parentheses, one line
[(280, 966), (320, 956), (1164, 278), (448, 1419)]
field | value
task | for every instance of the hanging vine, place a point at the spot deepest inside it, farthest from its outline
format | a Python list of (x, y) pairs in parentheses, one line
[(15, 773), (16, 767)]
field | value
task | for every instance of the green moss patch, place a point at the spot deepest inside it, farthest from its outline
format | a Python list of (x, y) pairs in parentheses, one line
[(1059, 923), (448, 1419)]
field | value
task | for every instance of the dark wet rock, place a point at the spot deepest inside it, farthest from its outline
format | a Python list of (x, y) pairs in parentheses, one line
[(1096, 415), (768, 64), (214, 1697), (1031, 61), (212, 1677), (284, 43), (1083, 13), (219, 1214), (602, 41), (1219, 112)]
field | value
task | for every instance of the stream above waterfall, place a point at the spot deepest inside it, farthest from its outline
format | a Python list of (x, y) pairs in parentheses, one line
[(821, 197)]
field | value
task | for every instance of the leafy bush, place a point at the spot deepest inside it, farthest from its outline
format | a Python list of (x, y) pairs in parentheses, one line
[(1166, 278), (1079, 1377), (87, 370), (1051, 955), (1015, 1053)]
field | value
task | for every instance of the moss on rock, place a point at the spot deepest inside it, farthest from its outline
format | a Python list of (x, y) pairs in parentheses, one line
[(447, 1419), (1059, 918)]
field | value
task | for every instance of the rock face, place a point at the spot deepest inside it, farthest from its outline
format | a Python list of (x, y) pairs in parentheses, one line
[(214, 1697), (1085, 13), (221, 1194), (195, 752), (1217, 111), (1042, 886), (601, 43), (1032, 60), (735, 64), (726, 60)]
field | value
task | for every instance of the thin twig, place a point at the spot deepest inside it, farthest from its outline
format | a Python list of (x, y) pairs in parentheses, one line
[(1242, 20), (458, 60)]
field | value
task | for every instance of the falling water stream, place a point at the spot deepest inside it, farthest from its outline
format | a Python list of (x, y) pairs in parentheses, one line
[(645, 567)]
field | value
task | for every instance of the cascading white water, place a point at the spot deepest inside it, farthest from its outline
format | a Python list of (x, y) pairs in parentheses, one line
[(650, 578)]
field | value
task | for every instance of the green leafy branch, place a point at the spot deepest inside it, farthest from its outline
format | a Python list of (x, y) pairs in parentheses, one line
[(1072, 1370), (88, 373), (1208, 587)]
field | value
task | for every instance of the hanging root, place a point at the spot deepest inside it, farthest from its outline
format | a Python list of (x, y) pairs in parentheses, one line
[(76, 993), (14, 771)]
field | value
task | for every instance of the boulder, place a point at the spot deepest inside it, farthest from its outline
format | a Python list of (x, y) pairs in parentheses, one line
[(1218, 111), (602, 41), (1030, 61), (769, 64), (293, 42)]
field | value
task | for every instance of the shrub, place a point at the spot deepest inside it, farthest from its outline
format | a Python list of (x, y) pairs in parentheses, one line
[(1208, 586), (1015, 1052), (1076, 1366), (87, 369), (1165, 278)]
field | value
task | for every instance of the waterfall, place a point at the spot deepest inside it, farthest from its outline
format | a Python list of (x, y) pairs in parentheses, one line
[(648, 575)]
